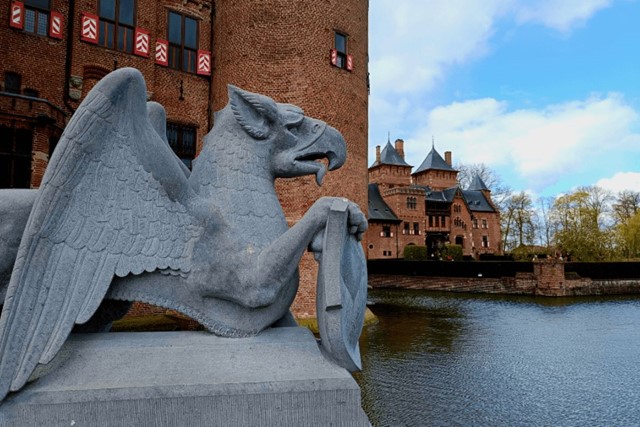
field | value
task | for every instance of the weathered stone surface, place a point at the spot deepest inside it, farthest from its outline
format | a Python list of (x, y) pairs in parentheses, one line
[(15, 206), (118, 216), (278, 378)]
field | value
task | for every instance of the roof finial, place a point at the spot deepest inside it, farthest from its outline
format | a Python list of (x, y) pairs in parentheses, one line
[(433, 143), (389, 137)]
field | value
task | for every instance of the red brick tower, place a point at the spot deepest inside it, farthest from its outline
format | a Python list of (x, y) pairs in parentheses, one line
[(312, 54)]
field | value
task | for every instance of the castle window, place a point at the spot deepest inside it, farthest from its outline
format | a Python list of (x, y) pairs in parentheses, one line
[(183, 42), (485, 241), (12, 82), (386, 231), (416, 228), (117, 24), (406, 228), (411, 202), (442, 221), (475, 223), (182, 139), (341, 50), (36, 16), (430, 220), (484, 224), (15, 157)]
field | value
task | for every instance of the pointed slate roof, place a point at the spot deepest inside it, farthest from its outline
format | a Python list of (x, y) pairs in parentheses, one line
[(478, 184), (389, 156), (378, 209), (476, 201), (433, 161)]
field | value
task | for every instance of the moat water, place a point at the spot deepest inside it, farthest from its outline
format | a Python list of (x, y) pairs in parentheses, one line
[(459, 360)]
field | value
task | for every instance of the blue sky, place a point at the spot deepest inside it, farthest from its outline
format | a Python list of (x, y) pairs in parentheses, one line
[(545, 92)]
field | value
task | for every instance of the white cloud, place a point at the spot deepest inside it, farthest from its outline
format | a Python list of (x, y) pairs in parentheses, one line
[(540, 146), (621, 181), (559, 15), (412, 42)]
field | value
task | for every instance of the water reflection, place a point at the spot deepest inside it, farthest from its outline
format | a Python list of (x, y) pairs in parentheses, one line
[(447, 359)]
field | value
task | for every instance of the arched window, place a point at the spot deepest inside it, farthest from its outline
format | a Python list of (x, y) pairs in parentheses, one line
[(412, 202)]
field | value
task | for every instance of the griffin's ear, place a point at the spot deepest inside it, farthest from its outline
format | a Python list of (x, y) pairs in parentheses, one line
[(255, 113)]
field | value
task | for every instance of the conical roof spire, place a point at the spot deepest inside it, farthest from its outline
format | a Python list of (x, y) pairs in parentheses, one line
[(390, 156), (478, 184), (434, 161)]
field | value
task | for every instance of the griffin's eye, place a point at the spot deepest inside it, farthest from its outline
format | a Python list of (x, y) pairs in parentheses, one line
[(316, 128)]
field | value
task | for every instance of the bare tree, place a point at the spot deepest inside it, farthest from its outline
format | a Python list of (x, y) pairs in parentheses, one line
[(627, 204), (546, 228), (500, 191), (519, 221)]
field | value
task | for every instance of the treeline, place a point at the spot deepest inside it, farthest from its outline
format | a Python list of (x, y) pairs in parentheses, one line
[(587, 224)]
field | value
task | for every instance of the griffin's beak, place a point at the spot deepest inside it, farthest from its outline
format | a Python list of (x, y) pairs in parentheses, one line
[(328, 144), (335, 148)]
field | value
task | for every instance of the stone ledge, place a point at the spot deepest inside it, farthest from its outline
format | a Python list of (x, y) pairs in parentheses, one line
[(278, 378)]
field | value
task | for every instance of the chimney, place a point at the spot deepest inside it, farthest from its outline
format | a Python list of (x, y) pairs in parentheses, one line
[(447, 157), (377, 154), (400, 147)]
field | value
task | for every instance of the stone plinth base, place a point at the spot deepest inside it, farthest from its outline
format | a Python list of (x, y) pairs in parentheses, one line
[(278, 378)]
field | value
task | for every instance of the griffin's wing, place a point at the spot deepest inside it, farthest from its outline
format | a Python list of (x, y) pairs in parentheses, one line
[(112, 202)]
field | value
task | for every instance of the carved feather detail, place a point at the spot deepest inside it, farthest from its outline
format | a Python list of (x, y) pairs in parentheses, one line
[(103, 210)]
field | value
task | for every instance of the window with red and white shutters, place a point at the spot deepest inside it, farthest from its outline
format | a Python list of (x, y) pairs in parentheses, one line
[(89, 28), (162, 52), (16, 16), (204, 62), (142, 41), (55, 25)]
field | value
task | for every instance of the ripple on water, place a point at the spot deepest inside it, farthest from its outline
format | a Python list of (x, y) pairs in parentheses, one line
[(443, 359)]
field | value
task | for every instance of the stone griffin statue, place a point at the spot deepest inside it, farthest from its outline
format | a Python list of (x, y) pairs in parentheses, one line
[(119, 217)]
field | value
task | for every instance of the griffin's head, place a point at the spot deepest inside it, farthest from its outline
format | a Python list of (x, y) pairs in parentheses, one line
[(297, 143)]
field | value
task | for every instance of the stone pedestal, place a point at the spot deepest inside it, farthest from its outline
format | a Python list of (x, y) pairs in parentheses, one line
[(278, 378)]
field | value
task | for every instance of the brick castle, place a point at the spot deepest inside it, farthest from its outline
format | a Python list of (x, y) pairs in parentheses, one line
[(313, 54), (427, 207)]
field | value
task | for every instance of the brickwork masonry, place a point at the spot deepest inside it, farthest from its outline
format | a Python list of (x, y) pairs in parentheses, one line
[(548, 279)]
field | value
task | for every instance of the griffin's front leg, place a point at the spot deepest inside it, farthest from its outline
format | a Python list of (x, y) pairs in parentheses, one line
[(278, 263)]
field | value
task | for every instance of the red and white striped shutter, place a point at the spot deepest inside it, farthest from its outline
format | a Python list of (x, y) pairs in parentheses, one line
[(16, 18), (349, 63), (55, 25), (204, 63), (141, 45), (162, 52), (89, 28), (334, 57)]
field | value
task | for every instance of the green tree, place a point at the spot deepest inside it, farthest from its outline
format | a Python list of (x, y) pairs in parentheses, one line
[(628, 234), (583, 229)]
